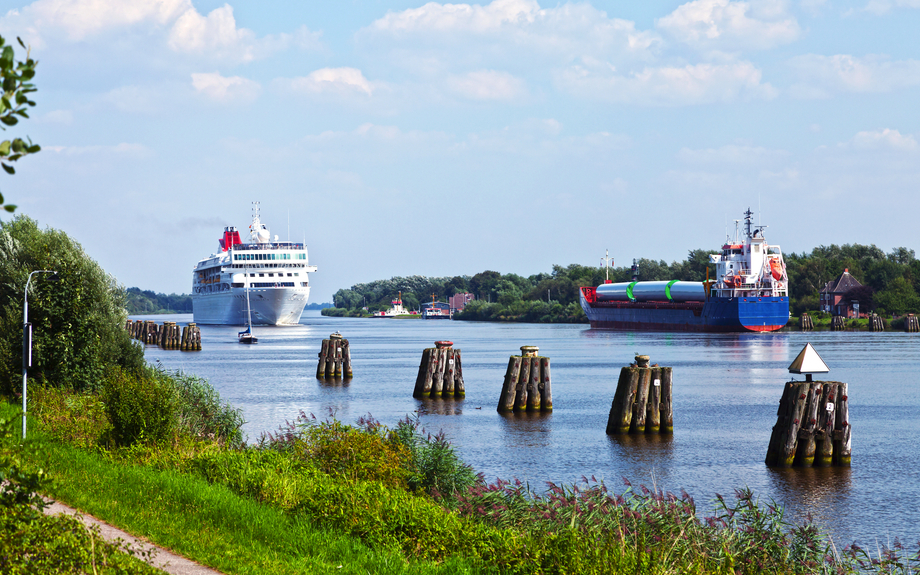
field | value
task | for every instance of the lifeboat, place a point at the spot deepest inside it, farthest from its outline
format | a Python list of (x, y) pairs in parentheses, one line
[(776, 269)]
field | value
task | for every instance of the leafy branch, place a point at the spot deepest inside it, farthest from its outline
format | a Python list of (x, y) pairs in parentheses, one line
[(16, 84)]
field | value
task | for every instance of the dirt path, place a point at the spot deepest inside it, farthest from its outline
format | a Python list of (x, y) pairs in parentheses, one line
[(161, 558)]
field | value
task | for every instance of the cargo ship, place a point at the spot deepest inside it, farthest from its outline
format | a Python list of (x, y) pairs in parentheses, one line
[(749, 293)]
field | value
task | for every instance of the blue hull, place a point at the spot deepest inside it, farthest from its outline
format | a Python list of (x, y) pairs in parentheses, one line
[(717, 314)]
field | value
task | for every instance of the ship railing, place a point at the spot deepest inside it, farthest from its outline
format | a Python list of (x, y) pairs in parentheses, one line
[(261, 247)]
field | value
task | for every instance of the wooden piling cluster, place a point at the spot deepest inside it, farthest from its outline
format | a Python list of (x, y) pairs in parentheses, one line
[(527, 383), (191, 338), (806, 323), (911, 323), (642, 402), (146, 331), (167, 336), (334, 358), (440, 373), (876, 323), (838, 323), (812, 426)]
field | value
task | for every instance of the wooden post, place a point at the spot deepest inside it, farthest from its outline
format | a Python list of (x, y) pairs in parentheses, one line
[(422, 383), (346, 364), (639, 408), (805, 322), (448, 390), (459, 386), (811, 427), (667, 409), (546, 392), (509, 388), (653, 409), (620, 418), (911, 323), (321, 366), (838, 323), (520, 400)]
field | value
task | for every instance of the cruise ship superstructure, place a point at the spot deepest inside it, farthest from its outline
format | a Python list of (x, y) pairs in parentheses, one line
[(276, 273)]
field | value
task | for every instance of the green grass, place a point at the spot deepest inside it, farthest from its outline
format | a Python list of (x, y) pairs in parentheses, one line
[(209, 523)]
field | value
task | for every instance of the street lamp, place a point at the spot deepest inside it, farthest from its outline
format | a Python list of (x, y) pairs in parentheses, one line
[(27, 341)]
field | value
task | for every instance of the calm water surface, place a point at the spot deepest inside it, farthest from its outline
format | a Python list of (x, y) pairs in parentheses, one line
[(726, 391)]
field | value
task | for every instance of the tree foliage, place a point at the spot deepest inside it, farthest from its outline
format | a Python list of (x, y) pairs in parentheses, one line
[(890, 281), (15, 77), (78, 322), (145, 301)]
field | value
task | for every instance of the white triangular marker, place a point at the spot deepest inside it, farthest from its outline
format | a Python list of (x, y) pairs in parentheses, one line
[(808, 361)]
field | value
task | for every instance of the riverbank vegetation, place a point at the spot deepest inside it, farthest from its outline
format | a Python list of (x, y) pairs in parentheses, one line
[(322, 495), (891, 283)]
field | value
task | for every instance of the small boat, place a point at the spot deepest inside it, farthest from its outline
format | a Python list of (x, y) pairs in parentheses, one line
[(246, 335)]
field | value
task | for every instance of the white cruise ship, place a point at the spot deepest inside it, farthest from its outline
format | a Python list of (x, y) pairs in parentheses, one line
[(274, 272)]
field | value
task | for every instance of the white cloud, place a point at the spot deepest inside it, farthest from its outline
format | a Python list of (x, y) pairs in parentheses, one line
[(669, 85), (885, 6), (731, 25), (182, 27), (821, 76), (81, 18), (487, 85), (732, 155), (886, 139), (565, 32), (329, 80), (226, 89)]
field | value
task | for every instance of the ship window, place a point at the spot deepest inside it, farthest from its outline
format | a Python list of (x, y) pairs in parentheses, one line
[(296, 274), (261, 275), (271, 275), (289, 275)]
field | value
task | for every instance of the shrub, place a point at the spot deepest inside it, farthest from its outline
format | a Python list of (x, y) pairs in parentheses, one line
[(344, 451), (141, 408), (69, 416), (201, 412), (435, 467)]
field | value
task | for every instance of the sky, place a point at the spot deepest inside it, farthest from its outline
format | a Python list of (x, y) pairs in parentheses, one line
[(401, 138)]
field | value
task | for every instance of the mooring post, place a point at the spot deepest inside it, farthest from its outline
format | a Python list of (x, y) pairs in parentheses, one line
[(440, 373), (334, 358), (527, 385), (642, 401), (812, 422)]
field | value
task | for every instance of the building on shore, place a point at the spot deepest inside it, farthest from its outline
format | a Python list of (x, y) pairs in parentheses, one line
[(833, 296), (458, 302)]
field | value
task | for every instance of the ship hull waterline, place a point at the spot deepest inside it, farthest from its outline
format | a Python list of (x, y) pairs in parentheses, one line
[(732, 315)]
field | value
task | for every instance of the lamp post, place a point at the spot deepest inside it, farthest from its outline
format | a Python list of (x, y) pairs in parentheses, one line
[(27, 342)]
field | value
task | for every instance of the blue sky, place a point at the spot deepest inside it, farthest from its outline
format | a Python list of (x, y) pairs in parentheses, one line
[(406, 138)]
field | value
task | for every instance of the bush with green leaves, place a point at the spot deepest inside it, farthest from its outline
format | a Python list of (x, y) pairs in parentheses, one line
[(77, 322), (141, 407), (201, 412), (435, 467)]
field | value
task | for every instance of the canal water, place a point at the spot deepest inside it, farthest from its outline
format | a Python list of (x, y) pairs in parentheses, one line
[(726, 392)]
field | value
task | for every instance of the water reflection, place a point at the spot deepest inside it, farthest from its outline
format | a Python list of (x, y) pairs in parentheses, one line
[(821, 492), (445, 406), (333, 381), (646, 448)]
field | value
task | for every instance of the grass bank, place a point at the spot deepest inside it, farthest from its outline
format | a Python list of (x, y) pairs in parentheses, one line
[(320, 496), (206, 522)]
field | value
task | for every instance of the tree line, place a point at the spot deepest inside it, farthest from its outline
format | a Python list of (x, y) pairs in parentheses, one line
[(891, 283), (147, 302)]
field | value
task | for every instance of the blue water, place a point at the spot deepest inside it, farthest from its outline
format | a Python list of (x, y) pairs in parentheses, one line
[(726, 391)]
